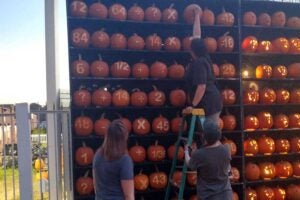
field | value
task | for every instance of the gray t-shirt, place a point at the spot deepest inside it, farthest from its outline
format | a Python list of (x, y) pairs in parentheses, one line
[(212, 165), (108, 176)]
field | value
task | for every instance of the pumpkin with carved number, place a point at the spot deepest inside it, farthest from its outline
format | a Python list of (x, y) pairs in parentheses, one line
[(279, 71), (225, 18), (84, 155), (232, 146), (101, 125), (99, 68), (120, 69), (296, 168), (80, 67), (279, 193), (263, 71), (137, 153), (281, 45), (250, 44), (100, 39), (138, 98), (267, 170), (282, 146), (120, 98), (156, 152), (98, 10), (295, 144), (118, 41), (172, 44), (228, 96), (82, 98), (267, 96), (265, 193), (84, 185), (284, 169), (101, 97), (117, 12), (226, 43), (156, 97), (250, 147), (176, 71), (176, 178), (294, 45), (227, 70), (136, 13), (251, 123), (83, 126), (170, 15), (136, 42), (141, 126), (158, 180), (265, 46), (153, 14), (281, 121), (140, 70), (229, 122), (153, 42), (250, 96), (160, 125), (251, 194), (266, 145), (176, 123), (80, 38), (78, 9)]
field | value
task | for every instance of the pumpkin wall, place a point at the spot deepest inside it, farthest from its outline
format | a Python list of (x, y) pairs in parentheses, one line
[(127, 60)]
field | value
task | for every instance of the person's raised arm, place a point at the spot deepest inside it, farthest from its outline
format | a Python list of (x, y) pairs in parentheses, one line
[(197, 25)]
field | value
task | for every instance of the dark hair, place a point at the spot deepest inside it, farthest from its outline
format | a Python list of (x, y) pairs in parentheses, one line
[(198, 47), (211, 132), (115, 141)]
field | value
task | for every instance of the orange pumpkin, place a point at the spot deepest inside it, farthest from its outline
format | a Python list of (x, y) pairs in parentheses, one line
[(225, 18), (141, 182), (229, 122), (120, 69), (265, 46), (263, 71), (120, 98), (156, 97), (156, 152), (293, 22), (136, 13), (294, 70), (189, 13), (84, 185), (281, 121), (158, 70), (250, 96), (235, 174), (153, 14), (251, 123), (78, 9), (227, 70), (171, 152), (138, 98), (267, 170), (251, 194), (177, 97), (265, 193), (250, 147), (136, 42), (158, 180), (267, 96), (176, 71), (118, 41), (140, 70), (266, 145), (284, 169), (228, 96), (137, 153), (83, 126), (176, 178), (264, 19), (117, 12), (294, 120), (279, 71), (80, 68), (281, 45), (252, 172), (278, 19), (295, 144), (100, 39), (294, 45), (172, 44), (293, 192), (175, 124), (101, 125), (191, 177), (226, 43), (249, 18), (296, 168), (232, 146), (295, 96), (282, 96), (82, 98), (126, 122), (99, 68), (170, 15), (211, 44), (208, 17), (141, 126), (186, 43), (80, 38), (250, 44), (282, 146), (84, 155), (279, 193), (160, 125), (98, 10), (101, 97), (153, 42)]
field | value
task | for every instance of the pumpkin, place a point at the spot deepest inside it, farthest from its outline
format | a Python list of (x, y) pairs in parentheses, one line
[(158, 180), (250, 147), (171, 152), (294, 120), (189, 13), (211, 44), (225, 18), (153, 42), (267, 96), (279, 71), (82, 98), (193, 197), (156, 97), (153, 14), (250, 96), (294, 45), (281, 121), (158, 70), (141, 126), (80, 68), (250, 44), (101, 97), (295, 96), (296, 168), (160, 125), (120, 98), (282, 146), (228, 96), (176, 178), (84, 155), (293, 192), (293, 22), (284, 169), (263, 71), (266, 145), (176, 123), (177, 97), (235, 174), (278, 19), (176, 71), (172, 44), (98, 10), (264, 19), (279, 193), (208, 17), (265, 193), (137, 153), (136, 13), (265, 46), (226, 43), (117, 12), (120, 69), (282, 96), (83, 126), (118, 41), (99, 68), (295, 144), (84, 185), (39, 164), (281, 45), (229, 122), (101, 125), (141, 182), (136, 42), (78, 9), (126, 122), (267, 170), (252, 171), (216, 70), (249, 18), (227, 70), (186, 43), (232, 146), (294, 70), (220, 124), (191, 177), (251, 123), (170, 15), (140, 70), (80, 38), (138, 98), (251, 194), (156, 152)]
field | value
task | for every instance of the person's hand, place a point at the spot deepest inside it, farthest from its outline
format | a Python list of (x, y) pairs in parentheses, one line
[(188, 110), (197, 10)]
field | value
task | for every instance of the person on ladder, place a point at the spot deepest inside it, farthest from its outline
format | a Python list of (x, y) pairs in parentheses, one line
[(212, 163)]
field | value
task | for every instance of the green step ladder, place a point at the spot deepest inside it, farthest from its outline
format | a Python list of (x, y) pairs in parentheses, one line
[(197, 114)]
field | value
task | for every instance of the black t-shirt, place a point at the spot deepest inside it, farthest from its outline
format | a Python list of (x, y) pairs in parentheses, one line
[(212, 165), (200, 72)]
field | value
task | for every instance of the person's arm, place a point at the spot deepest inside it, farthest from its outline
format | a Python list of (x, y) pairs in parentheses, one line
[(94, 181), (197, 25), (128, 189), (198, 94)]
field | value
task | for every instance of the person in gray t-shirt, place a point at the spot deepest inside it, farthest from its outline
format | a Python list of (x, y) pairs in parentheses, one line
[(212, 163), (113, 167)]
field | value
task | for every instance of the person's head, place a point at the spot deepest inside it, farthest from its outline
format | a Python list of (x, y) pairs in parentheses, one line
[(115, 141), (211, 132), (198, 48)]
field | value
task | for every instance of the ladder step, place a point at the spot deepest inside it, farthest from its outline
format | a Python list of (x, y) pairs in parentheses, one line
[(183, 139)]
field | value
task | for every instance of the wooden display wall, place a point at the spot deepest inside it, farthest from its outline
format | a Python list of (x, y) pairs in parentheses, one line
[(112, 76)]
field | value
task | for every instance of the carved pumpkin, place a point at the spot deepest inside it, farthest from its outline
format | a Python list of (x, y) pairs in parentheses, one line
[(267, 96), (226, 43), (153, 14), (225, 18), (80, 38), (171, 152), (251, 123), (250, 96), (153, 42), (281, 45), (265, 193), (126, 122), (137, 153), (294, 45), (186, 43), (282, 96), (235, 174), (294, 70), (227, 70), (83, 126), (293, 192), (250, 147), (176, 178), (266, 145), (284, 169), (160, 125), (156, 97), (84, 185), (136, 42), (249, 18), (295, 144), (279, 71), (265, 46), (191, 177), (82, 98), (117, 12), (278, 19), (211, 44), (99, 68), (175, 124), (250, 44), (177, 97), (141, 126), (293, 22), (176, 71), (80, 68), (101, 125), (279, 193), (156, 152), (140, 70), (98, 10), (141, 182), (78, 9), (228, 96), (251, 194), (263, 71), (136, 13), (118, 41), (229, 122), (170, 15), (84, 155), (158, 70), (158, 180), (101, 97), (232, 146), (252, 172), (208, 17), (267, 170), (281, 121), (296, 168), (189, 13), (120, 98), (295, 96), (294, 120), (138, 98), (172, 44), (264, 19), (120, 69)]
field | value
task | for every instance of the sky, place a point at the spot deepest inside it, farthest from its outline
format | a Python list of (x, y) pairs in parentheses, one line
[(22, 51)]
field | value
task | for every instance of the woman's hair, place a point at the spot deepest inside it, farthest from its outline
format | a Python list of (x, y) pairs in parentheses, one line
[(198, 47), (115, 141), (211, 132)]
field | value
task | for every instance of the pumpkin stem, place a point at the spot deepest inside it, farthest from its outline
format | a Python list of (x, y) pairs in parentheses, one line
[(102, 115), (86, 174), (156, 168), (156, 142), (172, 5), (136, 143), (142, 60), (100, 57), (83, 144), (227, 111), (154, 87), (135, 90), (79, 57), (141, 171), (102, 29), (153, 5), (226, 34), (223, 10)]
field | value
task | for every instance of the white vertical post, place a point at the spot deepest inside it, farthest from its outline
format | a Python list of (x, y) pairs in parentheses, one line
[(24, 151)]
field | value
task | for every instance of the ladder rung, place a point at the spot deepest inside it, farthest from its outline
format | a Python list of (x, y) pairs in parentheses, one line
[(198, 111), (183, 139)]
